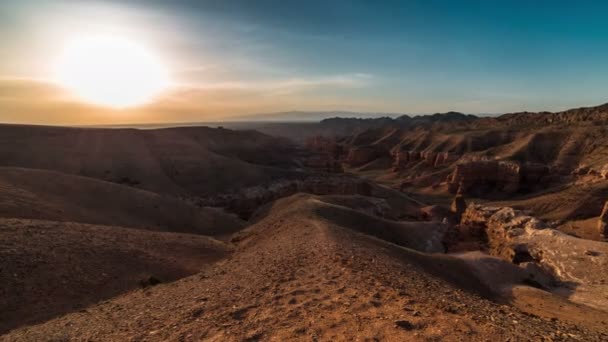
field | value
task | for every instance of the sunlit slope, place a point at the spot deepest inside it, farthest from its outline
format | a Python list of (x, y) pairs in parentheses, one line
[(51, 195)]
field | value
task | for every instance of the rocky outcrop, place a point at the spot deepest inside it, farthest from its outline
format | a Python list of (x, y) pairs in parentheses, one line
[(434, 213), (604, 172), (502, 226), (534, 173), (602, 224), (247, 200), (508, 177), (444, 158), (459, 205), (432, 159), (582, 170), (578, 266), (324, 154), (325, 145), (597, 173), (482, 174)]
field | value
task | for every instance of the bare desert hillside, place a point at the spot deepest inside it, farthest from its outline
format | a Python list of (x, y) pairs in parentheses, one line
[(442, 227), (320, 171), (51, 195), (53, 268), (296, 275), (179, 161)]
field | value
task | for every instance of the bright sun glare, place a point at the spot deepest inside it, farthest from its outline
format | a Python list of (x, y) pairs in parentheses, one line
[(110, 71)]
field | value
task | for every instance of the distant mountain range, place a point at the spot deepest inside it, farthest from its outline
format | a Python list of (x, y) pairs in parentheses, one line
[(314, 116), (275, 123)]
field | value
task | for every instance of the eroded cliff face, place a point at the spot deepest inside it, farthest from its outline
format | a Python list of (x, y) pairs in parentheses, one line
[(402, 159), (503, 225), (602, 224), (562, 263), (361, 155), (496, 175), (459, 205), (248, 200), (326, 145), (323, 154)]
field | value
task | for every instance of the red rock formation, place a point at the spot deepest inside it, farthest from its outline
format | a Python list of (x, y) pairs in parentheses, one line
[(582, 170), (505, 176), (326, 154), (442, 157), (433, 159), (401, 159), (597, 173), (602, 224), (459, 205), (325, 145), (414, 156), (358, 156), (484, 173), (429, 157), (247, 200), (502, 226), (604, 172)]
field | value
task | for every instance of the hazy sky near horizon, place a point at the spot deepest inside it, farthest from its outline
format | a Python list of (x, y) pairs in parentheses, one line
[(235, 57)]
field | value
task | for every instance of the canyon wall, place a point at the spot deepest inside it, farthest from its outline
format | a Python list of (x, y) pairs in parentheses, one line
[(602, 224), (247, 200), (361, 155), (505, 176), (431, 158)]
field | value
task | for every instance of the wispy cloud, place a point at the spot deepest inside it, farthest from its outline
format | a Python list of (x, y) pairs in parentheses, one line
[(289, 85)]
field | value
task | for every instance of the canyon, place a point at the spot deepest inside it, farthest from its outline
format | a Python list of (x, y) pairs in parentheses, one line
[(442, 227)]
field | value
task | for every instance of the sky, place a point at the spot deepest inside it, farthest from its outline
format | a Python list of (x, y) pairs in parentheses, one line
[(230, 58)]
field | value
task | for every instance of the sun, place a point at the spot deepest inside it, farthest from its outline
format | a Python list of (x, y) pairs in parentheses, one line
[(110, 71)]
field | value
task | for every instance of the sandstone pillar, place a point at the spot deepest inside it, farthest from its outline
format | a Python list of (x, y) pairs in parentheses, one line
[(459, 205)]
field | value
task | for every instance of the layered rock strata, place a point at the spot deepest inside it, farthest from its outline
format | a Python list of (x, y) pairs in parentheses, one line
[(432, 159), (358, 156), (493, 175)]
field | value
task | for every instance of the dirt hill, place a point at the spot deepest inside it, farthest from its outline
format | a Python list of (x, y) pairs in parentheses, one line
[(105, 233), (49, 195), (296, 275), (49, 268), (179, 161)]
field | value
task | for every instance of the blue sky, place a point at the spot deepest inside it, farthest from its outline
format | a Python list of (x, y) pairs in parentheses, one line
[(245, 56)]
